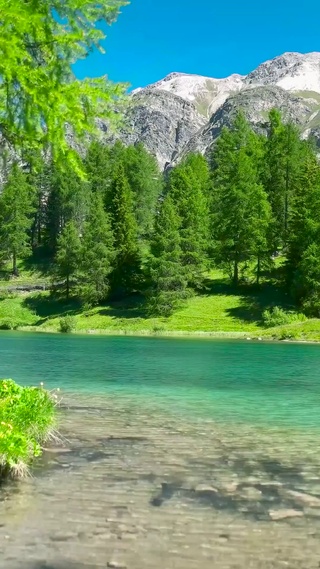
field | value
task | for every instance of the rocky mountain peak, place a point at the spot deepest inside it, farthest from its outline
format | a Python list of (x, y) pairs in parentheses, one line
[(185, 112), (291, 71)]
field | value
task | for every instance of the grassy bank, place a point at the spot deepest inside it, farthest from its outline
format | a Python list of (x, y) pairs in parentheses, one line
[(219, 311), (27, 420)]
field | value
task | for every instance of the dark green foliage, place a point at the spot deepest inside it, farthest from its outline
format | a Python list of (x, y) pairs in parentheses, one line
[(125, 231), (38, 177), (97, 254), (309, 279), (241, 212), (16, 209), (192, 208), (142, 173), (67, 200), (68, 255), (281, 174), (304, 227), (169, 282), (98, 168), (145, 181)]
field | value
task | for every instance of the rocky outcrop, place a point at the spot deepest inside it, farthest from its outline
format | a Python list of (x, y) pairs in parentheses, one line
[(164, 122), (183, 113), (256, 104)]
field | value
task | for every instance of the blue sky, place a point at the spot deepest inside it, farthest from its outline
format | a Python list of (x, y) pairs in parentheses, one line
[(216, 38)]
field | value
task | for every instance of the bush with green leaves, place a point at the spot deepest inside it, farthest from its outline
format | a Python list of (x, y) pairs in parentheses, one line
[(27, 420), (8, 324), (67, 324), (276, 316)]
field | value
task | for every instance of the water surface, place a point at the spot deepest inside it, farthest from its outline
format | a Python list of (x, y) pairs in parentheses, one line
[(177, 453)]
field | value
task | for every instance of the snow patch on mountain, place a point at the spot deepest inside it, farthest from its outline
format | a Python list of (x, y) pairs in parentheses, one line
[(291, 71), (206, 93)]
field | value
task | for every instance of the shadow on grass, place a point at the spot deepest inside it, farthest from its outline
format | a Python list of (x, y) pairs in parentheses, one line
[(32, 268), (254, 299), (50, 306), (42, 267), (128, 308)]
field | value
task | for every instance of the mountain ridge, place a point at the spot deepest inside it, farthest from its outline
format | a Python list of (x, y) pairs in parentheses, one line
[(176, 114)]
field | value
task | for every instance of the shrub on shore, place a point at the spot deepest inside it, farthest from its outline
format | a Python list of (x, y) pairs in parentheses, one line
[(67, 324), (276, 316), (27, 420)]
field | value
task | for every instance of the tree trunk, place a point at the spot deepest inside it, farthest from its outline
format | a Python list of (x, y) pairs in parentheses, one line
[(236, 272), (258, 270), (68, 287), (14, 265)]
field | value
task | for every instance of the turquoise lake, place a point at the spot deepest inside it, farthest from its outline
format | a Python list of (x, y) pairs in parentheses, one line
[(173, 453), (273, 383)]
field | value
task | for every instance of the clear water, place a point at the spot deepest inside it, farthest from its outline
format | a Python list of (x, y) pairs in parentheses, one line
[(176, 453)]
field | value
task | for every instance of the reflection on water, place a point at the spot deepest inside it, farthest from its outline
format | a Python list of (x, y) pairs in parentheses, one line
[(215, 474)]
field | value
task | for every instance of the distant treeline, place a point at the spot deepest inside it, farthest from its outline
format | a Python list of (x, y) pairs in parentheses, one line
[(123, 226)]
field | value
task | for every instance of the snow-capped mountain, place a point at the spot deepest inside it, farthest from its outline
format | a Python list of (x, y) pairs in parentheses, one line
[(206, 93), (186, 112)]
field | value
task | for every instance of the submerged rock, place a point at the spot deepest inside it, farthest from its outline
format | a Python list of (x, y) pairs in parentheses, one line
[(251, 493), (304, 499), (204, 488), (278, 515)]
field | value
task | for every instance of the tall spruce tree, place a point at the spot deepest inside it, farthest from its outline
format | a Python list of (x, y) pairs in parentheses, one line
[(97, 254), (67, 200), (241, 213), (168, 278), (98, 168), (304, 227), (193, 211), (201, 171), (16, 210), (309, 275), (38, 177), (68, 255), (281, 173), (145, 180), (127, 266)]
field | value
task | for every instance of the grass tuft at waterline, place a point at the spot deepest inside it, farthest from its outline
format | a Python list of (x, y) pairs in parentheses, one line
[(27, 420)]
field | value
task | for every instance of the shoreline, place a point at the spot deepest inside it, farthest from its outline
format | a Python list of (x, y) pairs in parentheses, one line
[(213, 335)]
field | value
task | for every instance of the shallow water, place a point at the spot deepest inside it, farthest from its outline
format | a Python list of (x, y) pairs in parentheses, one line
[(177, 453)]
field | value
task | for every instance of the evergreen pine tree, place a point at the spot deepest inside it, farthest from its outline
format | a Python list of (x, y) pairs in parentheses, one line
[(241, 213), (98, 168), (68, 255), (67, 200), (304, 227), (192, 208), (201, 171), (281, 173), (97, 254), (38, 177), (125, 231), (16, 210), (145, 180), (169, 284), (309, 274)]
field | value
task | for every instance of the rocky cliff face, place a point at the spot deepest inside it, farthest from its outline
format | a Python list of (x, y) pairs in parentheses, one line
[(183, 113), (164, 122)]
